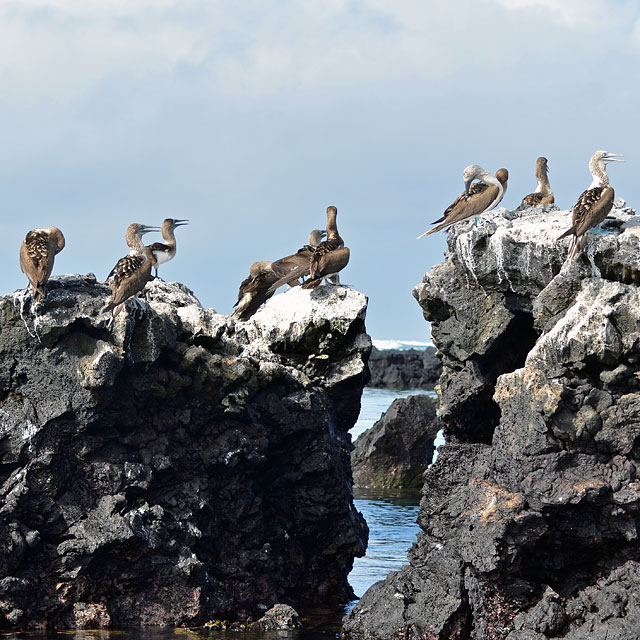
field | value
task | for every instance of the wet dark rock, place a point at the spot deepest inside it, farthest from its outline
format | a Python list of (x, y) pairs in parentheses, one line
[(279, 617), (395, 452), (181, 466), (404, 368), (530, 516)]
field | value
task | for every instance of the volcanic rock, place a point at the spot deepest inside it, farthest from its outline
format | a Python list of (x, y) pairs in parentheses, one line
[(404, 368), (530, 516), (398, 448), (180, 466)]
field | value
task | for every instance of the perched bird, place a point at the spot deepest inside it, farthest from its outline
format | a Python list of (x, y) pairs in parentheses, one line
[(165, 251), (133, 238), (543, 194), (132, 272), (37, 254), (323, 261), (254, 290), (594, 204), (477, 198)]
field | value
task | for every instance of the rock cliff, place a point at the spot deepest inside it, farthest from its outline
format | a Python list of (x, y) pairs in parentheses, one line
[(404, 368), (180, 466), (530, 515)]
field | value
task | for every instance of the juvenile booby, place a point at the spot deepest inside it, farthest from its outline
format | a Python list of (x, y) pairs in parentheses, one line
[(477, 198), (543, 194), (254, 290), (130, 275), (165, 251), (37, 254), (594, 204), (323, 261)]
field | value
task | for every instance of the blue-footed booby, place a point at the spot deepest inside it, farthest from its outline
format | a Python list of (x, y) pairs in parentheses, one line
[(323, 261), (254, 290), (37, 253), (477, 198), (165, 251), (543, 194), (132, 272), (594, 204)]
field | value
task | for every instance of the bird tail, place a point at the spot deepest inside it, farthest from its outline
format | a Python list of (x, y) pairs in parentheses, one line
[(38, 292), (568, 232), (438, 228), (312, 283)]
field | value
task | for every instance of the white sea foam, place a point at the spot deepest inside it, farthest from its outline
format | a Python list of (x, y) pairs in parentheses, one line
[(401, 344)]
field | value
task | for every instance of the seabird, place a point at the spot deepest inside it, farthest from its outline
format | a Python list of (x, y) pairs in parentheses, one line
[(132, 272), (594, 204), (477, 198), (37, 254), (165, 251), (323, 261), (543, 194), (254, 290), (133, 238)]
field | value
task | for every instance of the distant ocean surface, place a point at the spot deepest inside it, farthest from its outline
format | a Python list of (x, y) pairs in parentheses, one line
[(401, 344)]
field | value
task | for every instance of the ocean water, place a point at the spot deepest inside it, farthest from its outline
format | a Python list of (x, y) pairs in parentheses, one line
[(391, 517)]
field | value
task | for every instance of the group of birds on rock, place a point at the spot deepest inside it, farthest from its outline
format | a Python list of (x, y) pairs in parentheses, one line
[(128, 276), (315, 261), (319, 259), (590, 210)]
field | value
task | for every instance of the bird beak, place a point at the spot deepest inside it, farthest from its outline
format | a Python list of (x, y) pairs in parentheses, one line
[(146, 229), (467, 184), (180, 223), (613, 157)]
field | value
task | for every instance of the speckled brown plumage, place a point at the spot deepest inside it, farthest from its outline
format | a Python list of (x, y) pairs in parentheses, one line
[(37, 254)]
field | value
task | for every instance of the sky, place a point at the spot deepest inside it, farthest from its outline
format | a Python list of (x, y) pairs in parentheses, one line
[(250, 118)]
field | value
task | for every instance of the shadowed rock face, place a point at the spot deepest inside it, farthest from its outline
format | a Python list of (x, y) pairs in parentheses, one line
[(404, 368), (182, 466), (395, 452), (530, 515)]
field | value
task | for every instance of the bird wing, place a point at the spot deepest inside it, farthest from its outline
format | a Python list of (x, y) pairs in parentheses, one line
[(293, 267), (130, 275), (253, 292), (593, 208), (37, 258), (532, 200), (475, 188), (329, 262)]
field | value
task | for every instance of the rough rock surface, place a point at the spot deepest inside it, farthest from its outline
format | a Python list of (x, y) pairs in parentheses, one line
[(181, 466), (395, 452), (530, 515), (404, 368)]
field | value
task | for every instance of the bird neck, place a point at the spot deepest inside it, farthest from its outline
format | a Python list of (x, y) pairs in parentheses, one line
[(169, 237), (135, 244), (332, 227), (598, 171), (543, 182)]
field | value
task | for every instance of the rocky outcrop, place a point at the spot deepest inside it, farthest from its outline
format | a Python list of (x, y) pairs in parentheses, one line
[(398, 448), (530, 515), (404, 368), (181, 466)]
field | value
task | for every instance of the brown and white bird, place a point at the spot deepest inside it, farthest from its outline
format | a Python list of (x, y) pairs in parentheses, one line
[(254, 290), (543, 194), (165, 251), (594, 204), (37, 253), (323, 261), (132, 272), (477, 198)]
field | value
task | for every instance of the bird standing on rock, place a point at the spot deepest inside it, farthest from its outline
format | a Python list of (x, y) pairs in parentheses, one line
[(543, 194), (37, 254), (323, 261), (477, 198), (594, 204), (132, 272), (165, 251)]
